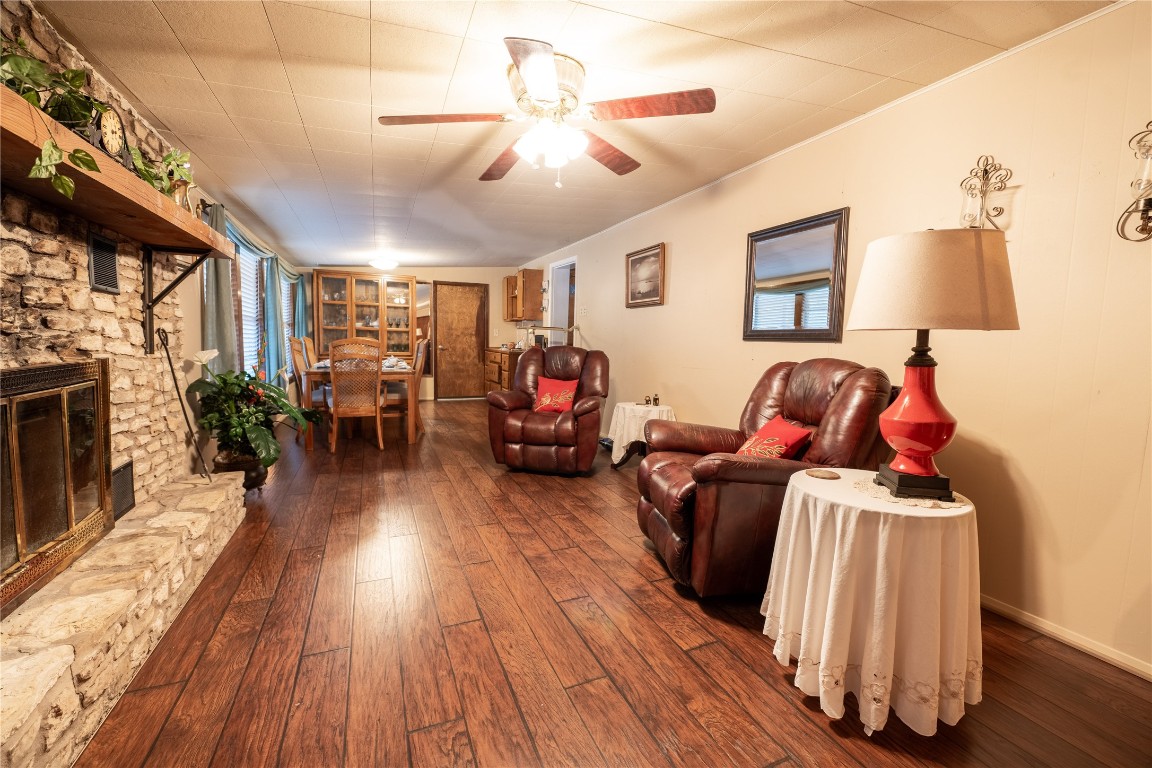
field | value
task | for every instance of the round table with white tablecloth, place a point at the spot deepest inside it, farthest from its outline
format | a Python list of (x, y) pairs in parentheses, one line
[(878, 596), (628, 420)]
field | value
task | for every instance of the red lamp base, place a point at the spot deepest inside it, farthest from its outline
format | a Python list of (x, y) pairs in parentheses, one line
[(917, 426)]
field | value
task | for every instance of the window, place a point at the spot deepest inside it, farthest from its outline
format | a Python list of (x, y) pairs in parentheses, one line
[(287, 315), (250, 312), (790, 308), (815, 309)]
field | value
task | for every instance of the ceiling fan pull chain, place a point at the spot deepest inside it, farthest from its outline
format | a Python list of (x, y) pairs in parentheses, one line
[(558, 184)]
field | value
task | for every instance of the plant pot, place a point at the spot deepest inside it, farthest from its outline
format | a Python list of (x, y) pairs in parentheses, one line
[(255, 473), (180, 194)]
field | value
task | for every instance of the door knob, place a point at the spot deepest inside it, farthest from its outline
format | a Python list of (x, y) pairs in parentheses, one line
[(441, 346)]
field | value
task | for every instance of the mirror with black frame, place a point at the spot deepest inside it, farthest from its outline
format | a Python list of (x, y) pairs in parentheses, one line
[(795, 285)]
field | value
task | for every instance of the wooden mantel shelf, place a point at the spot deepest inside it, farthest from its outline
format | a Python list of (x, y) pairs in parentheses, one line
[(114, 197)]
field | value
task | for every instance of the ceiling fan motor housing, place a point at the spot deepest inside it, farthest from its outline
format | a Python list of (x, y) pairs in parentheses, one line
[(569, 80)]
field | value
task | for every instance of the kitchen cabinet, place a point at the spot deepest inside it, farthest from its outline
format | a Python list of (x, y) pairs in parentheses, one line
[(524, 295)]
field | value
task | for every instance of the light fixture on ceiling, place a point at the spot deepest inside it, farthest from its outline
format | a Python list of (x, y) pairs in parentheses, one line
[(552, 140), (988, 176), (546, 81), (1141, 208), (547, 87), (948, 278), (384, 264)]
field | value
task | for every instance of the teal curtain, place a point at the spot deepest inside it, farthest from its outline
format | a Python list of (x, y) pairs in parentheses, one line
[(217, 313), (301, 308), (273, 270), (275, 357)]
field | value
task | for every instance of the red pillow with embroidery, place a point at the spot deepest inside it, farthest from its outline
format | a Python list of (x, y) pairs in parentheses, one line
[(778, 439), (554, 395)]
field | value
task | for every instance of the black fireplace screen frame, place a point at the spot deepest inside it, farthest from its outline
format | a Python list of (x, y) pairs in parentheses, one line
[(34, 569)]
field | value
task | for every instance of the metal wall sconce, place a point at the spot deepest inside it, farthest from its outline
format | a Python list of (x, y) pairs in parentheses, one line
[(1135, 223), (988, 176)]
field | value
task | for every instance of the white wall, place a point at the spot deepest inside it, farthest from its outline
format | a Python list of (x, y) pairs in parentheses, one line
[(1054, 419)]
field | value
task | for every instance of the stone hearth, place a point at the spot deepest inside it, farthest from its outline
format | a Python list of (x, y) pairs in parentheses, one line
[(70, 651)]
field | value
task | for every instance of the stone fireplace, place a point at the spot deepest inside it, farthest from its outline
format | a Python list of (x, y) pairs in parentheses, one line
[(69, 650), (55, 462)]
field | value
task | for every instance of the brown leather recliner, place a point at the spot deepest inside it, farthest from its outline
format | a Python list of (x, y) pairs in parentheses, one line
[(563, 443), (711, 514)]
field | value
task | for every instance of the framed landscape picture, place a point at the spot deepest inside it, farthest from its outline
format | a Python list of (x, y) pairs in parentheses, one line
[(644, 273)]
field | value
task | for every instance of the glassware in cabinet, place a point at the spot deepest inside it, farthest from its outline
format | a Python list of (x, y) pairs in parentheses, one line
[(369, 306)]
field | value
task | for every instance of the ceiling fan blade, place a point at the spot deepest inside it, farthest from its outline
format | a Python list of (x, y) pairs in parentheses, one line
[(536, 63), (426, 119), (502, 164), (609, 156), (657, 105)]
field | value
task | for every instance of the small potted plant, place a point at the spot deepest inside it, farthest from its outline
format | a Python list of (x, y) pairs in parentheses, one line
[(59, 94), (238, 410), (177, 167)]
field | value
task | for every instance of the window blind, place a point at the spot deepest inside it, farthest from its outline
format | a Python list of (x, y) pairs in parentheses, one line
[(776, 310), (287, 314), (250, 311)]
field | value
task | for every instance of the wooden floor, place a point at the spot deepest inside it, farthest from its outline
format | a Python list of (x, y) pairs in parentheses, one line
[(424, 606)]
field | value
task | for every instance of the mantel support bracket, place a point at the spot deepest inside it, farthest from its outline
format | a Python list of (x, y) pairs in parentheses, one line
[(150, 302)]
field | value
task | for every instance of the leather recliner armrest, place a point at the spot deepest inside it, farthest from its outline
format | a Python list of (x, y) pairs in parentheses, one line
[(732, 468), (586, 405), (509, 399), (684, 437)]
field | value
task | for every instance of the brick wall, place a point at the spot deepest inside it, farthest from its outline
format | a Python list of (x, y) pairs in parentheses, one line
[(48, 314)]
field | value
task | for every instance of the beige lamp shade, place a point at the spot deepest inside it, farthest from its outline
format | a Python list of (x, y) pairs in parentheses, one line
[(940, 278)]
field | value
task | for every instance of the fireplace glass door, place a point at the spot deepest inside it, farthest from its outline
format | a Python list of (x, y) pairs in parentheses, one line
[(54, 462)]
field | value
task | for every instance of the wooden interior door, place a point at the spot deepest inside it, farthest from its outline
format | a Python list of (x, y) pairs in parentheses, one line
[(459, 330)]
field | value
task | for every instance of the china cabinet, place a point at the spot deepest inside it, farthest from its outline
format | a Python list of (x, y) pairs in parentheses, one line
[(366, 305)]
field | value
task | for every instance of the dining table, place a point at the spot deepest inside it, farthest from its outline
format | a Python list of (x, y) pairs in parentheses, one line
[(318, 375)]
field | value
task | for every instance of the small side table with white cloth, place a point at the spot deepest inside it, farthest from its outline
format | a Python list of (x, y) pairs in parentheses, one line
[(878, 596), (628, 420)]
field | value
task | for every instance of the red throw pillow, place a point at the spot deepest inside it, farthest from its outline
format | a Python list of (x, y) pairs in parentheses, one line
[(554, 395), (778, 439)]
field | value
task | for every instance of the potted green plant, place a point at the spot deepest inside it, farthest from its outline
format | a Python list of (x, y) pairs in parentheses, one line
[(172, 175), (238, 409), (177, 166), (60, 95)]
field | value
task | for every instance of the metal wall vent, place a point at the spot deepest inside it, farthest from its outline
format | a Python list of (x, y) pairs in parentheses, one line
[(123, 489), (102, 275)]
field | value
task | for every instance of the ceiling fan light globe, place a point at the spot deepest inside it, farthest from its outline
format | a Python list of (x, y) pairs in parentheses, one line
[(539, 75), (575, 142), (555, 157), (569, 74), (530, 144)]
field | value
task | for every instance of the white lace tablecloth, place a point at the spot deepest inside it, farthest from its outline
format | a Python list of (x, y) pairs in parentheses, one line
[(879, 598), (628, 420)]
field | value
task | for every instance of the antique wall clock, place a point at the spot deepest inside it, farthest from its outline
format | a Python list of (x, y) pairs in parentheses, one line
[(108, 133)]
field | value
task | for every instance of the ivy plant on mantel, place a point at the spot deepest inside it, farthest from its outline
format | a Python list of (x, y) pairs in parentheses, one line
[(113, 197), (61, 96)]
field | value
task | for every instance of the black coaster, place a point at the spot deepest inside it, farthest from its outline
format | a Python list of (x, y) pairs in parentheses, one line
[(906, 486)]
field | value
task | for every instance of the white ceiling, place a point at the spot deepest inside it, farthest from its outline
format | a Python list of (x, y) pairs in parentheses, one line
[(278, 103)]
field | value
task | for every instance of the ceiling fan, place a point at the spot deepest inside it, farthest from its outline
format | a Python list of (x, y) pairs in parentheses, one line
[(547, 87)]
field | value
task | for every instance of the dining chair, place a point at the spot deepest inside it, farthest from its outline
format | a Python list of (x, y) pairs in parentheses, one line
[(301, 361), (309, 350), (396, 392), (355, 366)]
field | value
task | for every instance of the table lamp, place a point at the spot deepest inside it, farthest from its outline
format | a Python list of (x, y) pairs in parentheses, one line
[(948, 279)]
